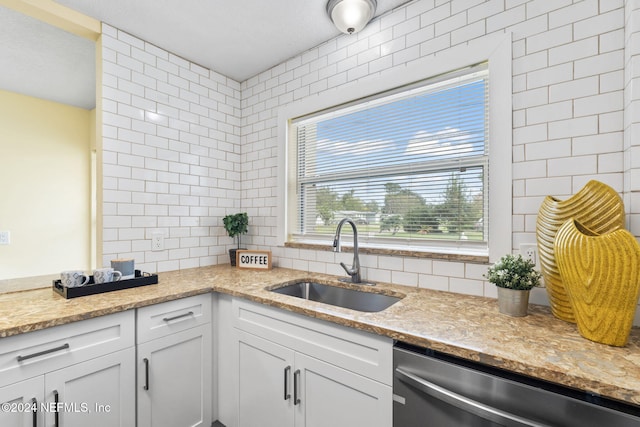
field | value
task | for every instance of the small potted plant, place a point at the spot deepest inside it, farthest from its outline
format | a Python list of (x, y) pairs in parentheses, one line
[(514, 276), (236, 225)]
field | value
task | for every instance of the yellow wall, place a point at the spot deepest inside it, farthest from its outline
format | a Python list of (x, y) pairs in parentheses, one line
[(45, 186)]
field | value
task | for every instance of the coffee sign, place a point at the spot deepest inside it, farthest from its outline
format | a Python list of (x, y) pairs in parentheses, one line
[(254, 260)]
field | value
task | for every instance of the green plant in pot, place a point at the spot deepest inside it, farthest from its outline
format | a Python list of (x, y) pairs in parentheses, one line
[(236, 225), (515, 277)]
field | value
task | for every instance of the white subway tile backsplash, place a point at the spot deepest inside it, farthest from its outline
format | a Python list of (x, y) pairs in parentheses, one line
[(528, 134), (581, 165), (600, 64), (538, 7), (549, 112), (436, 283), (548, 149), (573, 13), (611, 163), (481, 11), (597, 144), (573, 127), (448, 268), (543, 41), (205, 145), (404, 278), (159, 97), (506, 19), (540, 186), (468, 32), (572, 51), (418, 265), (466, 286), (550, 75), (605, 103), (577, 88), (599, 24)]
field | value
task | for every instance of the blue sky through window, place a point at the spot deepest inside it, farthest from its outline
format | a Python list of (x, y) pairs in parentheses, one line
[(380, 159), (445, 124)]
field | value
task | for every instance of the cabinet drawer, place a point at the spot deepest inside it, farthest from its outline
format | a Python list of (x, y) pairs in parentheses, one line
[(34, 353), (361, 352), (163, 319)]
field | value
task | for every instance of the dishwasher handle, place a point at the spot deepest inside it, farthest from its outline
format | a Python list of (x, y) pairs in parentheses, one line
[(480, 409)]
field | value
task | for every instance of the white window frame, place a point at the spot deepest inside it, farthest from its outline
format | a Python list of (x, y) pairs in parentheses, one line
[(496, 51)]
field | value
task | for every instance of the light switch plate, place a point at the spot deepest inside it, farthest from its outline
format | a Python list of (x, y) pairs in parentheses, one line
[(5, 237)]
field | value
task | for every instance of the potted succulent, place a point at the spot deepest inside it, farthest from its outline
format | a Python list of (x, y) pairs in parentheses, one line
[(514, 276), (236, 225)]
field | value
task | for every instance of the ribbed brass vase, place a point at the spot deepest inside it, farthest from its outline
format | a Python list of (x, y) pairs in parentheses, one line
[(599, 208), (601, 273)]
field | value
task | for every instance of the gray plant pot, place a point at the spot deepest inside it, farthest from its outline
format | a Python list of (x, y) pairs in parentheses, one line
[(513, 302), (232, 256)]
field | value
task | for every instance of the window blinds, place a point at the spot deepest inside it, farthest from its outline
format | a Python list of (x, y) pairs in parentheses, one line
[(409, 167)]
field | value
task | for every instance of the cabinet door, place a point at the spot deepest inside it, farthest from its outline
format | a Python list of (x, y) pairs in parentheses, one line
[(174, 380), (21, 398), (265, 383), (98, 393), (333, 397)]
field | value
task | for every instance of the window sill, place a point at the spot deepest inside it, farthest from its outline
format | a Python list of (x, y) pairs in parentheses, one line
[(479, 259)]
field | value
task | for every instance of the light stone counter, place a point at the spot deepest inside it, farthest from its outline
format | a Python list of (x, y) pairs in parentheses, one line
[(538, 345)]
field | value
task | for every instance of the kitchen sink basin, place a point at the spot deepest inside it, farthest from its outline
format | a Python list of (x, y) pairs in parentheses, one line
[(341, 297)]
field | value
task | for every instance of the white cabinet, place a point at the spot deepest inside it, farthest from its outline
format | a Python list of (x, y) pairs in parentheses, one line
[(296, 371), (174, 363), (279, 387), (264, 382), (331, 396), (23, 400), (72, 375), (96, 393)]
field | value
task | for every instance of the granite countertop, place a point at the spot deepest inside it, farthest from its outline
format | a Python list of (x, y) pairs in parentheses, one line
[(537, 345)]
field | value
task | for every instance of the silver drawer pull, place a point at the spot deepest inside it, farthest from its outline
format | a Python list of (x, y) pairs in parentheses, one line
[(287, 396), (296, 384), (146, 373), (56, 400), (34, 420), (179, 316), (42, 353)]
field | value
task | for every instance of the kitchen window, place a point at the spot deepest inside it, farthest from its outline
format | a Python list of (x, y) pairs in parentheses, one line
[(409, 166)]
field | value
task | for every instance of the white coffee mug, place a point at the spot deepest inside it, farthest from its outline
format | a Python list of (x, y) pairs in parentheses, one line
[(124, 266), (73, 278), (105, 275)]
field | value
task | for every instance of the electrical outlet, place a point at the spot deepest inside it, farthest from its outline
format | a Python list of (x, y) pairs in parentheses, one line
[(529, 251), (5, 237), (157, 241)]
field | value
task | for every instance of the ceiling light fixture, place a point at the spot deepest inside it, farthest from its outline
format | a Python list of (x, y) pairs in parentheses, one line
[(351, 16)]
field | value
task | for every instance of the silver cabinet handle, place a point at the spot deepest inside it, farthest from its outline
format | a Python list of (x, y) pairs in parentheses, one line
[(287, 395), (179, 316), (42, 353), (480, 409), (56, 415), (34, 421), (296, 381), (146, 373)]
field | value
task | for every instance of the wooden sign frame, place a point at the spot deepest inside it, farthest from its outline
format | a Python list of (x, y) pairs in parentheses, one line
[(253, 260)]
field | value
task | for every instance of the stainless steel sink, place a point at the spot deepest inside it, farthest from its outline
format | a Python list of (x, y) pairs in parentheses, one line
[(341, 297)]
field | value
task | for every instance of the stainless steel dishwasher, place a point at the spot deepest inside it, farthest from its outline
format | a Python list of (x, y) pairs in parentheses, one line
[(433, 389)]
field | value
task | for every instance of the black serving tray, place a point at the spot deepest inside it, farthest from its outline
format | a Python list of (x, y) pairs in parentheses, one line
[(140, 279)]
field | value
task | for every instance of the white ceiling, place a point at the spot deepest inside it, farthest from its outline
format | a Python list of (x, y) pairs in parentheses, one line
[(40, 60), (237, 38)]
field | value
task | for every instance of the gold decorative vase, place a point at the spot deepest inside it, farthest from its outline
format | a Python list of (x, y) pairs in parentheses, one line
[(601, 273), (599, 208)]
